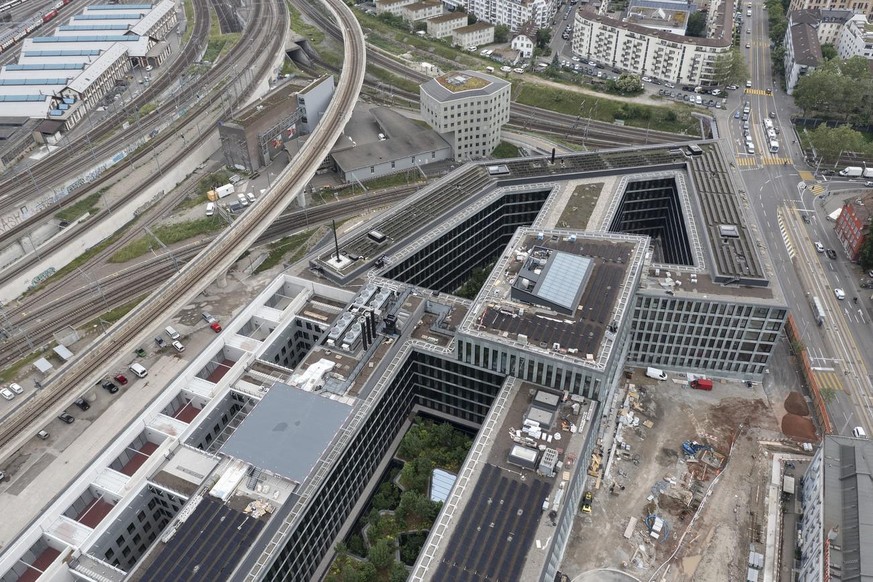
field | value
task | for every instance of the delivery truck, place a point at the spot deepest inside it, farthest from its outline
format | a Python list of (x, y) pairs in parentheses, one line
[(656, 374), (852, 172), (868, 172), (702, 384)]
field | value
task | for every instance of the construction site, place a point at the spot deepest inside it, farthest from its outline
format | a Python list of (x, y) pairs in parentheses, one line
[(682, 492)]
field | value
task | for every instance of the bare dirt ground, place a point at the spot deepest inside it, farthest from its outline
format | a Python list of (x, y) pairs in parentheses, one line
[(655, 478)]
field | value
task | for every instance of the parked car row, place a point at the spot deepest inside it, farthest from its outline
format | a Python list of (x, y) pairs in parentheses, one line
[(11, 390), (694, 99)]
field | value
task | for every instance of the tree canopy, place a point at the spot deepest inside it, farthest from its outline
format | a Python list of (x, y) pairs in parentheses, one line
[(731, 69), (696, 24), (829, 142), (543, 37), (838, 88), (501, 33)]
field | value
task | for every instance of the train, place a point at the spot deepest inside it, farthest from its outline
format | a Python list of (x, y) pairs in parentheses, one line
[(26, 28)]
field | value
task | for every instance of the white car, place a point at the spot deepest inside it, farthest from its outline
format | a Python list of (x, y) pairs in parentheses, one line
[(839, 294), (243, 201), (178, 346), (16, 388), (819, 248), (505, 69), (645, 79), (670, 85), (574, 58), (748, 84), (518, 70), (7, 394)]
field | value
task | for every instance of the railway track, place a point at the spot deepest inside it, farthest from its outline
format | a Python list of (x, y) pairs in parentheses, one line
[(597, 132), (54, 168), (217, 257), (40, 319), (240, 52)]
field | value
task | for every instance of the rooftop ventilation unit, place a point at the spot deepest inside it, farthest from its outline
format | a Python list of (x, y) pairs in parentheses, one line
[(728, 231)]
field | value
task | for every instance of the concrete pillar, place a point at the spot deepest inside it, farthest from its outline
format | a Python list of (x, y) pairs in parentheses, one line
[(221, 280), (301, 198)]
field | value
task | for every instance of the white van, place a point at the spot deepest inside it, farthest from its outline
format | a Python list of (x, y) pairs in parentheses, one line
[(489, 69), (174, 335), (139, 370), (656, 373), (210, 208), (859, 433)]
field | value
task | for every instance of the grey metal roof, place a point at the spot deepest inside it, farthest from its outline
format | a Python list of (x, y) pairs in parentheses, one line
[(807, 50), (287, 431), (562, 281), (848, 505)]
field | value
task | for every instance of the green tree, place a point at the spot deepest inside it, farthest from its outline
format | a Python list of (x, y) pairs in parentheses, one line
[(829, 142), (731, 69), (828, 52), (399, 573), (828, 393), (627, 84), (381, 555), (696, 24), (501, 33), (543, 37), (865, 255)]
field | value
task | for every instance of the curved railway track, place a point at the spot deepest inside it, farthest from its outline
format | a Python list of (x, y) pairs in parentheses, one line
[(255, 41), (39, 318), (217, 257), (597, 132), (242, 51)]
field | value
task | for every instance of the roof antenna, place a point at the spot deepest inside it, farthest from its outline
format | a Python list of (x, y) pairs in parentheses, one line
[(335, 241)]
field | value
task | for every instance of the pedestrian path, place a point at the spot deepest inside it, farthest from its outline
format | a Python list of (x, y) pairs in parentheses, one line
[(829, 380), (817, 189), (786, 238)]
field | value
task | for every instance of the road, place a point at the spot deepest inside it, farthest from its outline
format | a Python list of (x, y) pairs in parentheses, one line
[(780, 192)]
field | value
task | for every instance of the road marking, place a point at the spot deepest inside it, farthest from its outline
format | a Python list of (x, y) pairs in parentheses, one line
[(751, 161), (830, 380), (756, 91), (806, 176), (817, 189), (785, 237), (774, 161)]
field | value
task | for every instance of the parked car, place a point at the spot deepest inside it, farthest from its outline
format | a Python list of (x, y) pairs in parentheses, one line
[(109, 387), (120, 378), (16, 388), (177, 345), (66, 417), (43, 434), (82, 404), (207, 317), (216, 327), (6, 394)]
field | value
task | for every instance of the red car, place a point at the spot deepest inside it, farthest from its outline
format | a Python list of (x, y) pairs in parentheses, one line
[(121, 379), (216, 326)]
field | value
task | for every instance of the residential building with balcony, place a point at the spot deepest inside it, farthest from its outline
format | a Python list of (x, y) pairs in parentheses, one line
[(515, 13), (856, 39)]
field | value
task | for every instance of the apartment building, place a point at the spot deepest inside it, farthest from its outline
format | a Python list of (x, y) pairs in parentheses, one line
[(856, 38), (445, 25), (856, 6), (515, 13), (853, 225), (802, 50), (392, 6), (478, 34), (421, 11), (524, 45)]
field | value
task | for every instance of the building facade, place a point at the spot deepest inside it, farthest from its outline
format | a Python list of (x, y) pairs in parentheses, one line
[(856, 6), (802, 51), (856, 39), (392, 6), (837, 501), (524, 45), (515, 13), (443, 26), (421, 11), (853, 225), (478, 34), (642, 51), (468, 109)]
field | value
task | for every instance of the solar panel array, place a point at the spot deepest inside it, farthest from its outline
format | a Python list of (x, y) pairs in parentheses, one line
[(492, 538), (207, 546)]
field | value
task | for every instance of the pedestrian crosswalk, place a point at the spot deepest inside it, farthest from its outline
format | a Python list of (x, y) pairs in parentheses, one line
[(817, 189), (748, 161), (828, 380), (806, 175), (776, 161), (766, 160), (756, 91), (785, 237)]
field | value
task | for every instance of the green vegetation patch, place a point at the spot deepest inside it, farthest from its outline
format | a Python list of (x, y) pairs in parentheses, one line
[(188, 6), (303, 28), (278, 249), (206, 183), (675, 119), (213, 49), (473, 285), (168, 234), (10, 372), (87, 205), (578, 210), (505, 150), (117, 313)]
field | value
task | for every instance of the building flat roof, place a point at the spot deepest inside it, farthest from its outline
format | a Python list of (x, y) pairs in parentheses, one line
[(462, 85), (98, 67), (448, 17), (207, 546), (287, 432)]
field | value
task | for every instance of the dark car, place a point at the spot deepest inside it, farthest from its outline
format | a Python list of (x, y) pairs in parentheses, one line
[(826, 172), (159, 341), (66, 417), (82, 403), (110, 387), (832, 254), (121, 379)]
